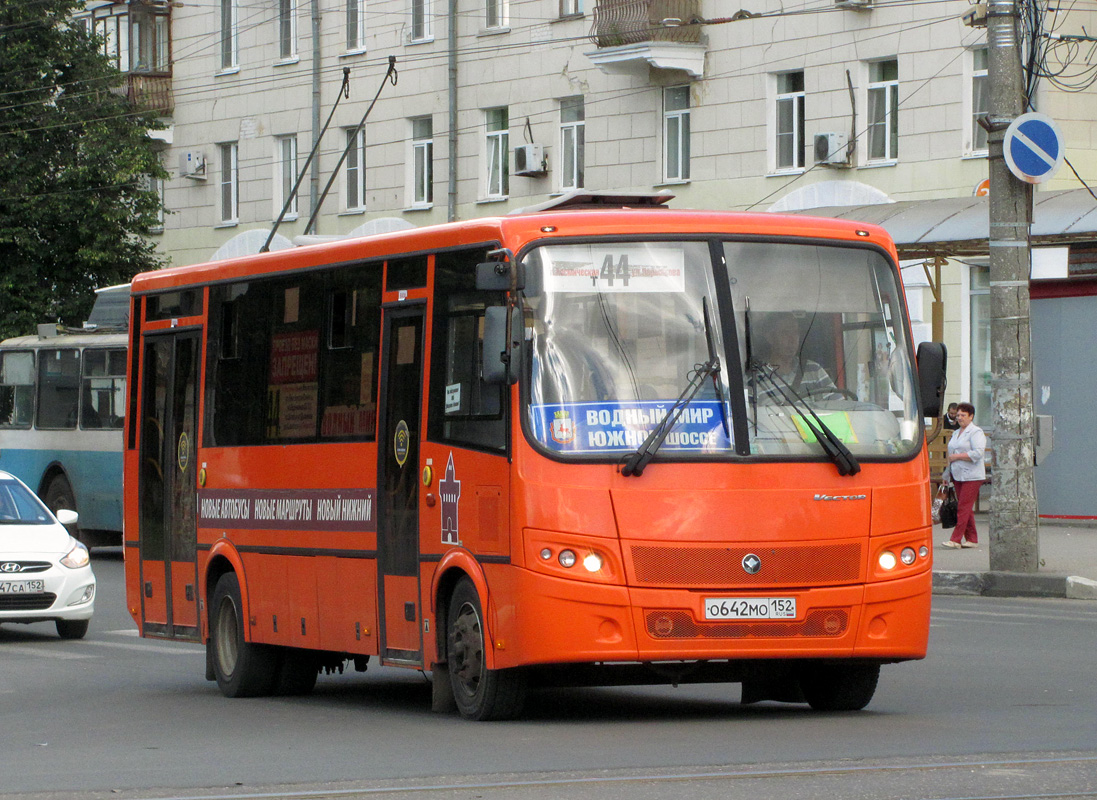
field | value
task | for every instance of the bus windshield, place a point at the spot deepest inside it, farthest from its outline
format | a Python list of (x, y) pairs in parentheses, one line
[(619, 329)]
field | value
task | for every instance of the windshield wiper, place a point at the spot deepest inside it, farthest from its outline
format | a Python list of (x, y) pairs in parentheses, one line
[(712, 359), (636, 462), (834, 447)]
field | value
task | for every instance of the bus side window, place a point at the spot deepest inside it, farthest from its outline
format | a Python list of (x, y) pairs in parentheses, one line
[(348, 367), (463, 409), (58, 388), (16, 389)]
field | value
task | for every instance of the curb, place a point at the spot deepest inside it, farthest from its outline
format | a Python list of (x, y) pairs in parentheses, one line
[(1013, 584)]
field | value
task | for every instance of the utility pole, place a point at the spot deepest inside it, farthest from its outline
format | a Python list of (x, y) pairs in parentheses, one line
[(1014, 524)]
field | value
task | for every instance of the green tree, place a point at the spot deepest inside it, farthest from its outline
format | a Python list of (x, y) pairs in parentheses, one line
[(75, 157)]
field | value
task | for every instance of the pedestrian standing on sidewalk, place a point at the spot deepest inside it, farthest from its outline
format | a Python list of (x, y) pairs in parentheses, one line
[(967, 471)]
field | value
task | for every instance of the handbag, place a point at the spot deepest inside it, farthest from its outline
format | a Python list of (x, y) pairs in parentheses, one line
[(950, 509), (938, 501)]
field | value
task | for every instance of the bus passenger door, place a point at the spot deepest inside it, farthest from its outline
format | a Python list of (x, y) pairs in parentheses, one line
[(398, 486), (167, 486)]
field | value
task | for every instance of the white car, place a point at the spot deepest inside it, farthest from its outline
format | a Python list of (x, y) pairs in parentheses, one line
[(45, 574)]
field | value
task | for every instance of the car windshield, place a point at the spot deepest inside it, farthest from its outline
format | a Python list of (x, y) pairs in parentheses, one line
[(19, 506), (618, 330)]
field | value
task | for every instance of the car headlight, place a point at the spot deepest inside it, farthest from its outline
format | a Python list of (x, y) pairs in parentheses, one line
[(77, 557)]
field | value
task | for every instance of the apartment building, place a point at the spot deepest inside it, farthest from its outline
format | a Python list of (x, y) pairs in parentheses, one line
[(500, 104)]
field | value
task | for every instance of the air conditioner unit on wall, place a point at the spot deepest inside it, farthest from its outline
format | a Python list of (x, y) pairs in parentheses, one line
[(192, 164), (529, 160), (830, 148)]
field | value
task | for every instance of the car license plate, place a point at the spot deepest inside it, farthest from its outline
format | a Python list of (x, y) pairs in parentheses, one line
[(750, 608), (22, 587)]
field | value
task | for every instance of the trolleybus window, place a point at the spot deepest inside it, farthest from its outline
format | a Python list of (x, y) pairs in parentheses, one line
[(16, 389), (104, 389), (58, 388)]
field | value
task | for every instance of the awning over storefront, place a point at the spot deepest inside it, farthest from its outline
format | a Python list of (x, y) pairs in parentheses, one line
[(957, 226)]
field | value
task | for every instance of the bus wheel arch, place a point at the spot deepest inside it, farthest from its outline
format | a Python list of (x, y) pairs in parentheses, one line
[(241, 668), (480, 692)]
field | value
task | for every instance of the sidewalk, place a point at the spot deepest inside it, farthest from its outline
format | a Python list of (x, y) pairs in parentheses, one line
[(1068, 555)]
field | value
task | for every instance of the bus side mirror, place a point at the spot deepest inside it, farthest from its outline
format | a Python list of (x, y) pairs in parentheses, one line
[(496, 276), (503, 335), (932, 361)]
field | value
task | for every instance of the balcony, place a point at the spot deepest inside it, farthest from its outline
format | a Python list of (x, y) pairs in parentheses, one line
[(634, 35), (150, 92)]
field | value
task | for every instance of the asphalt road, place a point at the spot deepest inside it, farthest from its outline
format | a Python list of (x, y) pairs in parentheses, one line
[(1004, 706)]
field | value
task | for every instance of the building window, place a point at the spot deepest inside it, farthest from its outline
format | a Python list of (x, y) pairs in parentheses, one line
[(114, 38), (676, 133), (151, 39), (285, 175), (980, 342), (420, 19), (498, 153), (287, 29), (230, 45), (422, 161), (883, 111), (230, 183), (571, 8), (495, 13), (356, 25), (155, 185), (356, 170), (980, 100), (572, 143), (790, 120)]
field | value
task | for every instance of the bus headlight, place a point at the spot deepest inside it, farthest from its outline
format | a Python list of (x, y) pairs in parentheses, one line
[(908, 555), (567, 558), (888, 560), (592, 562)]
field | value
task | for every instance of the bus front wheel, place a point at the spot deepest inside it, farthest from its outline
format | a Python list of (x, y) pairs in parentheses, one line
[(480, 693), (840, 687), (242, 668)]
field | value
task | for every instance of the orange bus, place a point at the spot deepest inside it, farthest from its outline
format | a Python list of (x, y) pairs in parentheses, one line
[(604, 442)]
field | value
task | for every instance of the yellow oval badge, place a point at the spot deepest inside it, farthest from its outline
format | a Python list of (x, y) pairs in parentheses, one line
[(401, 442)]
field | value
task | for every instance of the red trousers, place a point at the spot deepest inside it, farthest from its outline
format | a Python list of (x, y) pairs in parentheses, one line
[(967, 492)]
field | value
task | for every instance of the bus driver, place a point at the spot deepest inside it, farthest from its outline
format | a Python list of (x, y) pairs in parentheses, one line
[(783, 366)]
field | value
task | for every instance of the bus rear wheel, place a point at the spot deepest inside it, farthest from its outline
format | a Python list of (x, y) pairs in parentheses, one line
[(242, 668), (834, 687), (480, 693), (59, 495)]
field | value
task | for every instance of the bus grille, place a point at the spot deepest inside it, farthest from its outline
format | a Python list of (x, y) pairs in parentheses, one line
[(678, 624), (26, 602), (798, 565)]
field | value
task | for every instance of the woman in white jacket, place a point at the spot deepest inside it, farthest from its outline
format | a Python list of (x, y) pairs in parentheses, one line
[(967, 470)]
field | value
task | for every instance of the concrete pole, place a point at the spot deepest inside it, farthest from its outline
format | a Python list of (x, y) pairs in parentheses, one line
[(451, 92), (314, 178), (1014, 525)]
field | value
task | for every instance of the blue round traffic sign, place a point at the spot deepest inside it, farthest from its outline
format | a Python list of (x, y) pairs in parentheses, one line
[(1033, 147)]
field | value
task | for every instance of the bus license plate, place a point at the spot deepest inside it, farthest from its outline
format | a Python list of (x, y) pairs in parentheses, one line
[(750, 608), (22, 587)]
